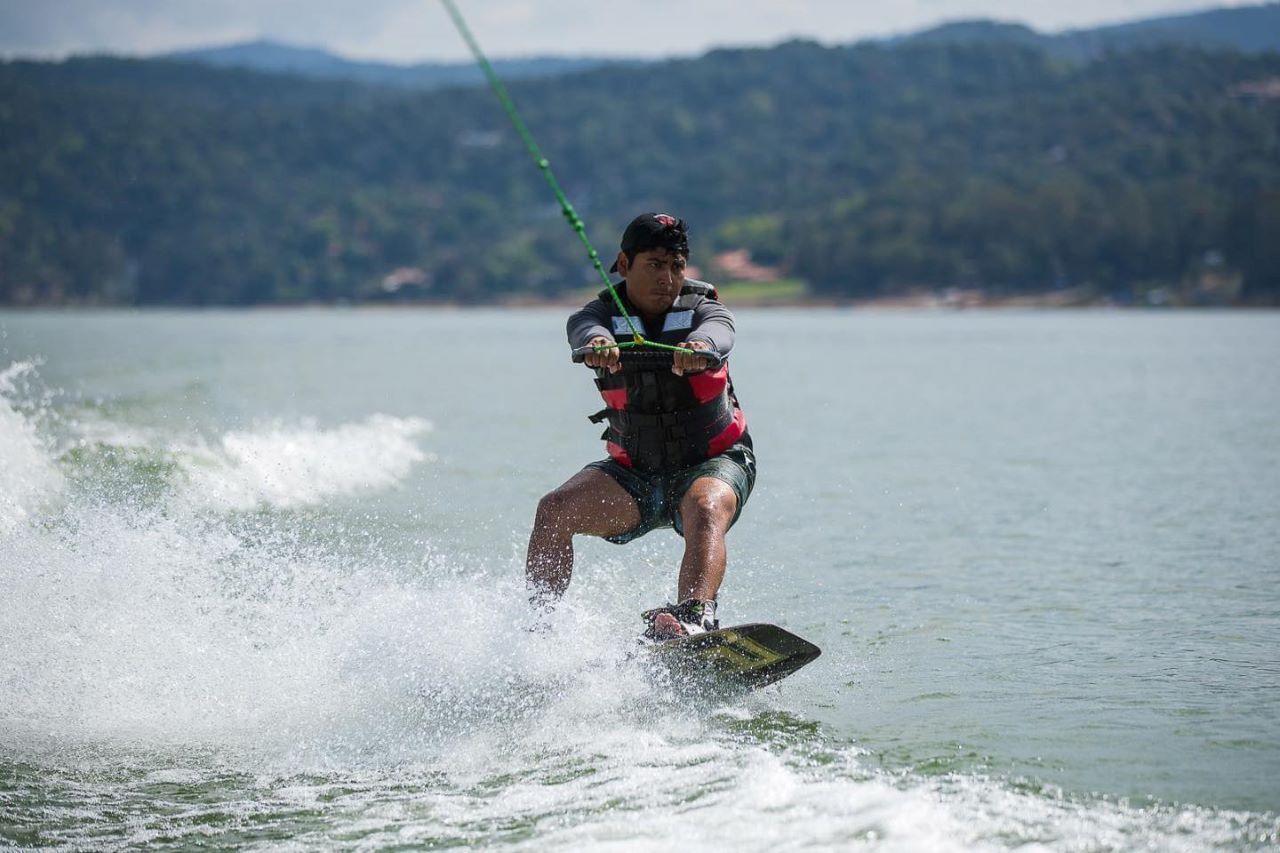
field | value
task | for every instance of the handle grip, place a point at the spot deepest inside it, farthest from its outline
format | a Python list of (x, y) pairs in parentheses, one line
[(650, 359)]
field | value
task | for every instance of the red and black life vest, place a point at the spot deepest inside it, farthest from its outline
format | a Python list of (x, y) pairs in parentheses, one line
[(659, 421)]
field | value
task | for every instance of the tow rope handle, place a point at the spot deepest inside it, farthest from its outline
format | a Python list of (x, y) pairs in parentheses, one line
[(656, 358)]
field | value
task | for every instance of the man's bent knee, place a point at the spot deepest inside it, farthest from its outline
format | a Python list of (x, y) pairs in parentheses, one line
[(591, 503), (710, 504), (554, 508)]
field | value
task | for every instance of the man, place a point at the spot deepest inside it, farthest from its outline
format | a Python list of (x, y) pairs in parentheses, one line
[(679, 452)]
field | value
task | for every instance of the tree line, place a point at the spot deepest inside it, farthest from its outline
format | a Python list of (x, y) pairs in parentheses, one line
[(865, 170)]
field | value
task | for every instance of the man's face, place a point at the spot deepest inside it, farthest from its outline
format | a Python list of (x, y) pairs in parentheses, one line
[(654, 279)]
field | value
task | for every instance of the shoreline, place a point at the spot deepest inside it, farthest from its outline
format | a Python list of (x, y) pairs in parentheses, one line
[(750, 297), (894, 304)]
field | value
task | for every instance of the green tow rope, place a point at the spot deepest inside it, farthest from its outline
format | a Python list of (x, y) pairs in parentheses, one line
[(543, 164)]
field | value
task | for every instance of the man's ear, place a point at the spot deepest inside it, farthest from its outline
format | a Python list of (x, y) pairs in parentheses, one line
[(623, 263)]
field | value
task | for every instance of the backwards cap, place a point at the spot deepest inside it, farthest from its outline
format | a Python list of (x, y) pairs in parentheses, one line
[(654, 231)]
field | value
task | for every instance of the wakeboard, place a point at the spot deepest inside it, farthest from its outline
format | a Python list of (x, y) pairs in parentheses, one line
[(744, 656)]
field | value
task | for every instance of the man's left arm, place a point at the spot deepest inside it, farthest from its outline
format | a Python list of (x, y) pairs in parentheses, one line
[(712, 329)]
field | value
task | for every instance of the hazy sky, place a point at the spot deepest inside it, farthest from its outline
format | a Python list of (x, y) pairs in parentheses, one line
[(419, 30)]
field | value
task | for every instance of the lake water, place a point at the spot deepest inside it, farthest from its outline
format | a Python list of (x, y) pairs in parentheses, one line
[(261, 585)]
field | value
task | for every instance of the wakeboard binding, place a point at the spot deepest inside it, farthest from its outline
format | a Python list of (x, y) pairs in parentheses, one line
[(688, 618)]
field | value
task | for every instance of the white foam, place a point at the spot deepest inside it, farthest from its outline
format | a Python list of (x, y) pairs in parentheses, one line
[(291, 466), (28, 477), (164, 628), (423, 706), (162, 621)]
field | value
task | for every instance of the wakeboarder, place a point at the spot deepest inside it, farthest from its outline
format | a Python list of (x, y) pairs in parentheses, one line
[(679, 454)]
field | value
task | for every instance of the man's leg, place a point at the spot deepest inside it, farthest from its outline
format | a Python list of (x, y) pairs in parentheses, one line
[(591, 503), (706, 512)]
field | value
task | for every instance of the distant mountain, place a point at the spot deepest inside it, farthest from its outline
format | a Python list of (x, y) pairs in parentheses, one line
[(978, 32), (1250, 29), (275, 57)]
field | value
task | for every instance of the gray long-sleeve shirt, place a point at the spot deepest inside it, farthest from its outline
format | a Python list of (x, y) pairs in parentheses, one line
[(712, 323)]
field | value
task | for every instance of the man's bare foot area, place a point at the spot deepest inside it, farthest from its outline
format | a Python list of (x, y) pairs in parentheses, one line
[(689, 617), (668, 627)]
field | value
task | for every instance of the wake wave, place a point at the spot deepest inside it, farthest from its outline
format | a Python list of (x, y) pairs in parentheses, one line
[(172, 617), (285, 467)]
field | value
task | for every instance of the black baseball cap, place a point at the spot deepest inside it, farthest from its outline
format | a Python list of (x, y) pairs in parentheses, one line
[(654, 231)]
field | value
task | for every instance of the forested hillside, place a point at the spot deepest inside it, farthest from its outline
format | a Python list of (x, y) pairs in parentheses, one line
[(865, 170)]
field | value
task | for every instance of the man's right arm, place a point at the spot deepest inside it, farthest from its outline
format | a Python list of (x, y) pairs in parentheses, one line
[(589, 326), (590, 321)]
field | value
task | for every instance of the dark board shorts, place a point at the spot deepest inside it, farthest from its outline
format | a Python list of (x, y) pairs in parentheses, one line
[(658, 495)]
